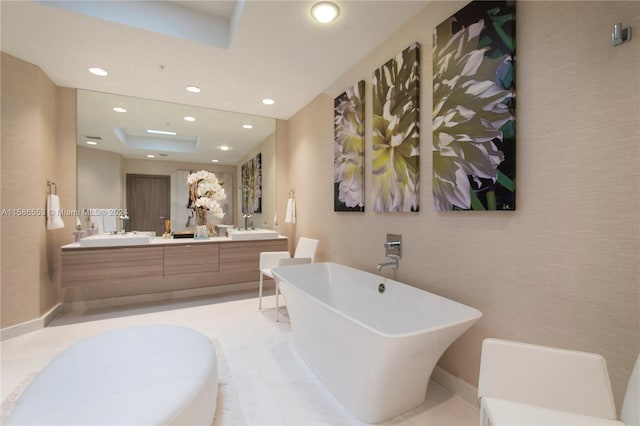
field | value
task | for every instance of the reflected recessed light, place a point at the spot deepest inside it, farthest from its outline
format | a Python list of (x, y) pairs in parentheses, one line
[(247, 126), (189, 118), (151, 156), (92, 143), (119, 109), (98, 71), (215, 161), (224, 148), (268, 101), (161, 132), (194, 89), (325, 12)]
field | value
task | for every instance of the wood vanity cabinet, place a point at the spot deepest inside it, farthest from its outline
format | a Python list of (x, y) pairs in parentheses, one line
[(106, 265), (240, 256), (191, 259), (190, 263)]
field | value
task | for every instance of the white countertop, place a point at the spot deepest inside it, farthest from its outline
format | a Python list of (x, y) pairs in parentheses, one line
[(172, 241)]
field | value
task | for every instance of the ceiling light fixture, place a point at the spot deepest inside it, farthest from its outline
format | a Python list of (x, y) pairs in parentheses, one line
[(268, 101), (247, 126), (161, 132), (193, 89), (92, 143), (325, 12), (215, 161), (119, 109), (224, 148), (151, 156), (98, 71), (189, 118)]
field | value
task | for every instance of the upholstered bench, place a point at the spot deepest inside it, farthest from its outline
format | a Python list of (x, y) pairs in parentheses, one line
[(152, 375)]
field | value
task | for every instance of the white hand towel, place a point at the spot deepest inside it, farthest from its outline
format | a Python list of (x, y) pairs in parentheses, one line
[(290, 217), (54, 221)]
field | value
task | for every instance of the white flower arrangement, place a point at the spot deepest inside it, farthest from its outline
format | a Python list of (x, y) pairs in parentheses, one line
[(206, 190)]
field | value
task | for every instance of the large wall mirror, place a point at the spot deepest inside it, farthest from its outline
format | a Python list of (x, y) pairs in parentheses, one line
[(135, 154)]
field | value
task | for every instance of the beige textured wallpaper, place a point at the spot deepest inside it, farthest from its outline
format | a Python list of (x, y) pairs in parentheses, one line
[(38, 125), (66, 172), (562, 270)]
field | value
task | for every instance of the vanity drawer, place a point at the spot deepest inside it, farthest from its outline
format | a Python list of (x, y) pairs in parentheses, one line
[(191, 259), (243, 256), (99, 266)]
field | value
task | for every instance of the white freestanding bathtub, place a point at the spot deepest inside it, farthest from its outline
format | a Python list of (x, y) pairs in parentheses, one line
[(374, 350)]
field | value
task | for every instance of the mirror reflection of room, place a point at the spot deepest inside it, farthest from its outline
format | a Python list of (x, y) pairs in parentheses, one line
[(135, 154)]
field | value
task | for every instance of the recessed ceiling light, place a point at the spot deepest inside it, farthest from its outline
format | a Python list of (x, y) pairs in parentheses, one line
[(224, 148), (98, 71), (215, 161), (189, 118), (151, 156), (268, 101), (161, 132), (247, 126), (325, 12), (119, 109), (194, 89), (92, 143)]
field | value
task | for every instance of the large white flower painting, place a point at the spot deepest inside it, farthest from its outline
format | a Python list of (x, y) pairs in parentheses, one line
[(348, 150), (396, 133), (473, 108)]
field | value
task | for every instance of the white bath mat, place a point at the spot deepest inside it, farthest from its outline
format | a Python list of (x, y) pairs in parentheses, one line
[(228, 411), (10, 401)]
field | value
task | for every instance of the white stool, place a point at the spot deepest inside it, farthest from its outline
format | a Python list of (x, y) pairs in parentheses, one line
[(153, 375)]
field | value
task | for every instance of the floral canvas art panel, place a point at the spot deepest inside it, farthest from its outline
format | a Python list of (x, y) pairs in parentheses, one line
[(348, 150), (474, 109), (252, 185), (396, 133)]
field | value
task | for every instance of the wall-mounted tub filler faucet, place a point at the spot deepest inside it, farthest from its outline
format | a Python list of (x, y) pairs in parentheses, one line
[(393, 251), (393, 263)]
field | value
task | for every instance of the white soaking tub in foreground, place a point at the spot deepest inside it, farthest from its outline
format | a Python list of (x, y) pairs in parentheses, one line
[(375, 351)]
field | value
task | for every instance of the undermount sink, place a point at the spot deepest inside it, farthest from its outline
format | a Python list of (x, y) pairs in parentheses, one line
[(107, 240), (253, 234)]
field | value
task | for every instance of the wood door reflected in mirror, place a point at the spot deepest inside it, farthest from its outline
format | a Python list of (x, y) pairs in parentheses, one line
[(148, 202)]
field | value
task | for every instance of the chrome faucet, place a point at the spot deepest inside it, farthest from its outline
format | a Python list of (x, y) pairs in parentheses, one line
[(248, 221), (124, 218), (393, 251), (393, 263)]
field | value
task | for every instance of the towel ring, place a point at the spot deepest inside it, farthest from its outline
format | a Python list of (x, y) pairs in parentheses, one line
[(292, 193)]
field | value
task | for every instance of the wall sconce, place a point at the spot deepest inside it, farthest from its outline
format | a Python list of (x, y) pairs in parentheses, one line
[(620, 35)]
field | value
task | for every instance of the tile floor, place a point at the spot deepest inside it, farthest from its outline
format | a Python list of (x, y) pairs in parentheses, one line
[(273, 385)]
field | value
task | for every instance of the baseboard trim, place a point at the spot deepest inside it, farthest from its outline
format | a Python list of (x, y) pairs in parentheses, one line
[(464, 390), (29, 326), (166, 296)]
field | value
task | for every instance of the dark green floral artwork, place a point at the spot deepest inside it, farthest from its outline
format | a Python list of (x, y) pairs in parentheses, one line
[(474, 109), (348, 150), (396, 133)]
